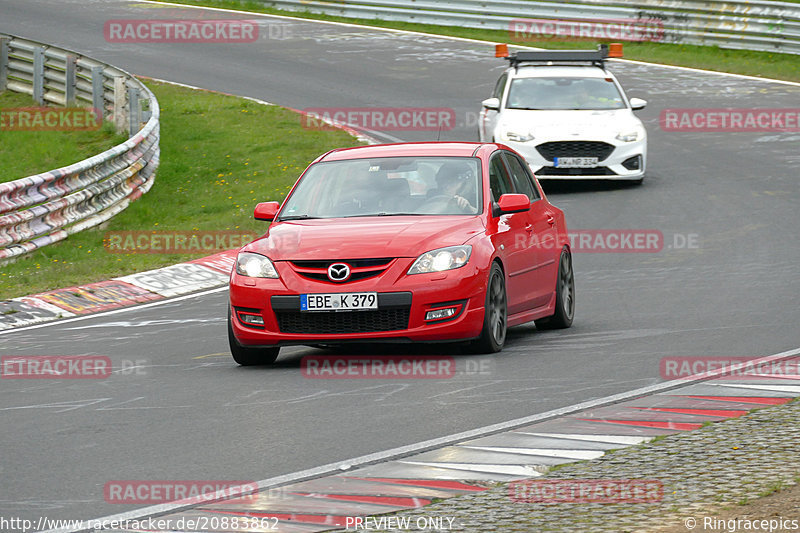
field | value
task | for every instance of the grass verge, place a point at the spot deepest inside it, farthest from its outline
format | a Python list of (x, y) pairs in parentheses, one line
[(46, 150), (766, 64), (220, 155)]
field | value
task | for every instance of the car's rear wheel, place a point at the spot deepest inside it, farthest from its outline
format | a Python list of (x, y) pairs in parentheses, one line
[(495, 317), (250, 356), (565, 296)]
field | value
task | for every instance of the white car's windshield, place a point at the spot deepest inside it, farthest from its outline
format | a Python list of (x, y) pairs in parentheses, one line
[(564, 93), (387, 186)]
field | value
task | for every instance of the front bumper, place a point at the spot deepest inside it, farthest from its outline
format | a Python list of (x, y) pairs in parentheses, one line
[(626, 160), (403, 302)]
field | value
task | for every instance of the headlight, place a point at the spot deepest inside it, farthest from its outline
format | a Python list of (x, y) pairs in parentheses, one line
[(441, 259), (631, 135), (255, 266), (517, 137)]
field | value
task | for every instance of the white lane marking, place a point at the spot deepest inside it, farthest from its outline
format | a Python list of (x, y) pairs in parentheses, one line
[(775, 388), (508, 470), (62, 406), (607, 439), (464, 39), (542, 452), (432, 444), (145, 323), (115, 311)]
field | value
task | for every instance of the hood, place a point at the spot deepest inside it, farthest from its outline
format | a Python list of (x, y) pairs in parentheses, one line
[(367, 237), (569, 124)]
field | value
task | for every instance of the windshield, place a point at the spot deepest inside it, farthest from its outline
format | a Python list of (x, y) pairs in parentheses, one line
[(564, 93), (387, 186)]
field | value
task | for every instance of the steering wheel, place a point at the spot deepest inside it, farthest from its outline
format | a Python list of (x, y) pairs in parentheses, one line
[(446, 201)]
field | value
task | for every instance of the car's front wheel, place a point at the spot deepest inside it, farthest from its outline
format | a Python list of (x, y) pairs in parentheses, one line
[(250, 356), (495, 317), (565, 296)]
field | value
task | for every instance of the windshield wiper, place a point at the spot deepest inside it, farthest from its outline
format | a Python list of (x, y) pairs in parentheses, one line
[(530, 108), (385, 215), (297, 217)]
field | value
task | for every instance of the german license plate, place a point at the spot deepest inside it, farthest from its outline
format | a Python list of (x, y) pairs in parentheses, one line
[(575, 162), (344, 301)]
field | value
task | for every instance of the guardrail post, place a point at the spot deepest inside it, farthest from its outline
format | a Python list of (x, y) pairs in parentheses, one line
[(98, 91), (4, 41), (38, 75), (70, 81), (134, 111), (120, 101)]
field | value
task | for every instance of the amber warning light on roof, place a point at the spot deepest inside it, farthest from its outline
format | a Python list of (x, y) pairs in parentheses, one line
[(501, 50), (615, 50)]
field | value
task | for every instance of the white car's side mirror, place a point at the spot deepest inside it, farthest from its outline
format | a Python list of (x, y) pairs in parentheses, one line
[(491, 103), (637, 103)]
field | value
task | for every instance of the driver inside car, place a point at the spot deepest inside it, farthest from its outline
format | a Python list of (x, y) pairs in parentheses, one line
[(454, 180)]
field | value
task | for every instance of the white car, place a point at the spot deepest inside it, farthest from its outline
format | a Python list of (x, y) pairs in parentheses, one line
[(568, 116)]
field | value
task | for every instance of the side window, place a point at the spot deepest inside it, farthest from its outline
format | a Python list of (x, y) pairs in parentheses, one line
[(521, 177), (500, 87), (499, 181)]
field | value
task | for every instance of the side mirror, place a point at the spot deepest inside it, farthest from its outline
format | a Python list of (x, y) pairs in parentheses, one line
[(266, 210), (491, 103), (512, 203), (637, 103)]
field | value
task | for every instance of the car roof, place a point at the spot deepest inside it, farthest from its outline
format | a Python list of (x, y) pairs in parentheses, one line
[(419, 149), (559, 71)]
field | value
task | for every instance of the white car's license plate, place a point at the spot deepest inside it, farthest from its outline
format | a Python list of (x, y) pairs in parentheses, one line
[(575, 162), (344, 301)]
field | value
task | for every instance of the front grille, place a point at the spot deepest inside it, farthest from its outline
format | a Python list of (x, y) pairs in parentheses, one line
[(597, 149), (360, 268), (324, 323), (354, 263), (355, 276), (596, 171)]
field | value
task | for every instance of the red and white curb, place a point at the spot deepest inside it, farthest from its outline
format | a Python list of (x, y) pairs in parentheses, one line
[(144, 287)]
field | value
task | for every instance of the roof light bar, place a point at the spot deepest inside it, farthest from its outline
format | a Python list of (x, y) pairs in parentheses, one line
[(597, 57)]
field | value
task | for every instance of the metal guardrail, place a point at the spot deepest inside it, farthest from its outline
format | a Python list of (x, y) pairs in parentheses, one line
[(739, 24), (45, 208)]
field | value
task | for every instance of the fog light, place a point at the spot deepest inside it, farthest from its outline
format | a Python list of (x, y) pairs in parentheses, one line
[(633, 163), (439, 314), (255, 320)]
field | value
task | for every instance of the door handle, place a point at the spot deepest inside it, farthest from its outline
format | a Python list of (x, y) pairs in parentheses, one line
[(529, 228), (551, 220)]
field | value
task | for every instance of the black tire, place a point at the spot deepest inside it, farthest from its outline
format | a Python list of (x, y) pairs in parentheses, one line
[(565, 296), (495, 317), (250, 356)]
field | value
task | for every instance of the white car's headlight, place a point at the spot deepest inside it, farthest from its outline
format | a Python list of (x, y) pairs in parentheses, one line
[(441, 259), (629, 136), (517, 137), (255, 266)]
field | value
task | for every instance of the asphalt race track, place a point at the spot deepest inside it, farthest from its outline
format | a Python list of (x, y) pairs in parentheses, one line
[(187, 412)]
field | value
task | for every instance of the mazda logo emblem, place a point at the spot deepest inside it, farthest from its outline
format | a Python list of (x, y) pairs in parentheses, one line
[(338, 272)]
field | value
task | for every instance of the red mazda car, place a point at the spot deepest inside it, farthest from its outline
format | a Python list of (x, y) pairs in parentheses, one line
[(437, 241)]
